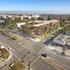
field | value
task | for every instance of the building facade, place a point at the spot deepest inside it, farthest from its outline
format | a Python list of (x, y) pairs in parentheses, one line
[(41, 27)]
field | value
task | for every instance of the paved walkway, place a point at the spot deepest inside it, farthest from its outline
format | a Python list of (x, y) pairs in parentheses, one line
[(2, 62)]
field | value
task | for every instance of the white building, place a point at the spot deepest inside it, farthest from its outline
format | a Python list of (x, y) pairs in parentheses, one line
[(62, 39), (36, 16), (2, 22), (20, 24)]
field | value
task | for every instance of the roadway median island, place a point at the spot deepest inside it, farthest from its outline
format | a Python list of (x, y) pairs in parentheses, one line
[(5, 56), (13, 36), (17, 65), (4, 53)]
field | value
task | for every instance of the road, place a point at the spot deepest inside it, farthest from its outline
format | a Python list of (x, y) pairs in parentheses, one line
[(39, 64), (61, 60), (48, 41), (21, 51), (29, 50)]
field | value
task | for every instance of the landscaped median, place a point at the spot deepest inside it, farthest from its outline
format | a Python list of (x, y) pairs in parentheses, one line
[(13, 36), (17, 65), (66, 28), (5, 55)]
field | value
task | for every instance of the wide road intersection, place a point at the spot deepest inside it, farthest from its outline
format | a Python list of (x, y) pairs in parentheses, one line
[(29, 51)]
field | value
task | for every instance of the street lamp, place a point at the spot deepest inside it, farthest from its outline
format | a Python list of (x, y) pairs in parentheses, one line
[(29, 65), (63, 49)]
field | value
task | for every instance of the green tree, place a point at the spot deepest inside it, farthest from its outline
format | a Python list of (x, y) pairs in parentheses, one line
[(40, 18), (62, 22), (10, 23), (32, 19), (66, 28), (17, 19), (49, 18), (26, 19)]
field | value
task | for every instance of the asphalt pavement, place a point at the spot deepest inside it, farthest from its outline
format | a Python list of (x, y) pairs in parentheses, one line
[(31, 50)]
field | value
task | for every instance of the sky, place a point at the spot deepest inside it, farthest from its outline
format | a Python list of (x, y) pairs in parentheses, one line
[(35, 5)]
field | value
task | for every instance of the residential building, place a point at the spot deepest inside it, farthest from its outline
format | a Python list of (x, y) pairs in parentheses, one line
[(40, 27)]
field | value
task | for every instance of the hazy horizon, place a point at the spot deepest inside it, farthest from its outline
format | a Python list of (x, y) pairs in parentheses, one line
[(32, 12)]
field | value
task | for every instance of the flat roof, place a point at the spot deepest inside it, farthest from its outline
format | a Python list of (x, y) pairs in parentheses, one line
[(21, 23), (1, 21), (62, 39), (41, 23)]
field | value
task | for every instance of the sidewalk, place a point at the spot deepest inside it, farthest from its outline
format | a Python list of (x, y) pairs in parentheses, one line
[(2, 63)]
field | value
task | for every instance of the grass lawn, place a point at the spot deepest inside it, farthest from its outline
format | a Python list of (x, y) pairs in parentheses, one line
[(5, 54), (17, 65)]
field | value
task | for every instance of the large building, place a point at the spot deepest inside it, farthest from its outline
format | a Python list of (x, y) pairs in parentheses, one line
[(39, 27)]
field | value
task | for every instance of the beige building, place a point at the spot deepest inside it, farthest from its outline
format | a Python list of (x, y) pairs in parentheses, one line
[(40, 27)]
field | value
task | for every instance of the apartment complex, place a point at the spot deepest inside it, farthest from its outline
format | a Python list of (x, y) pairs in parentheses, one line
[(39, 27)]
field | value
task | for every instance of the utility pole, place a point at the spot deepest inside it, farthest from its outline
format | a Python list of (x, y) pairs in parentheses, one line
[(29, 63), (63, 49), (29, 66)]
